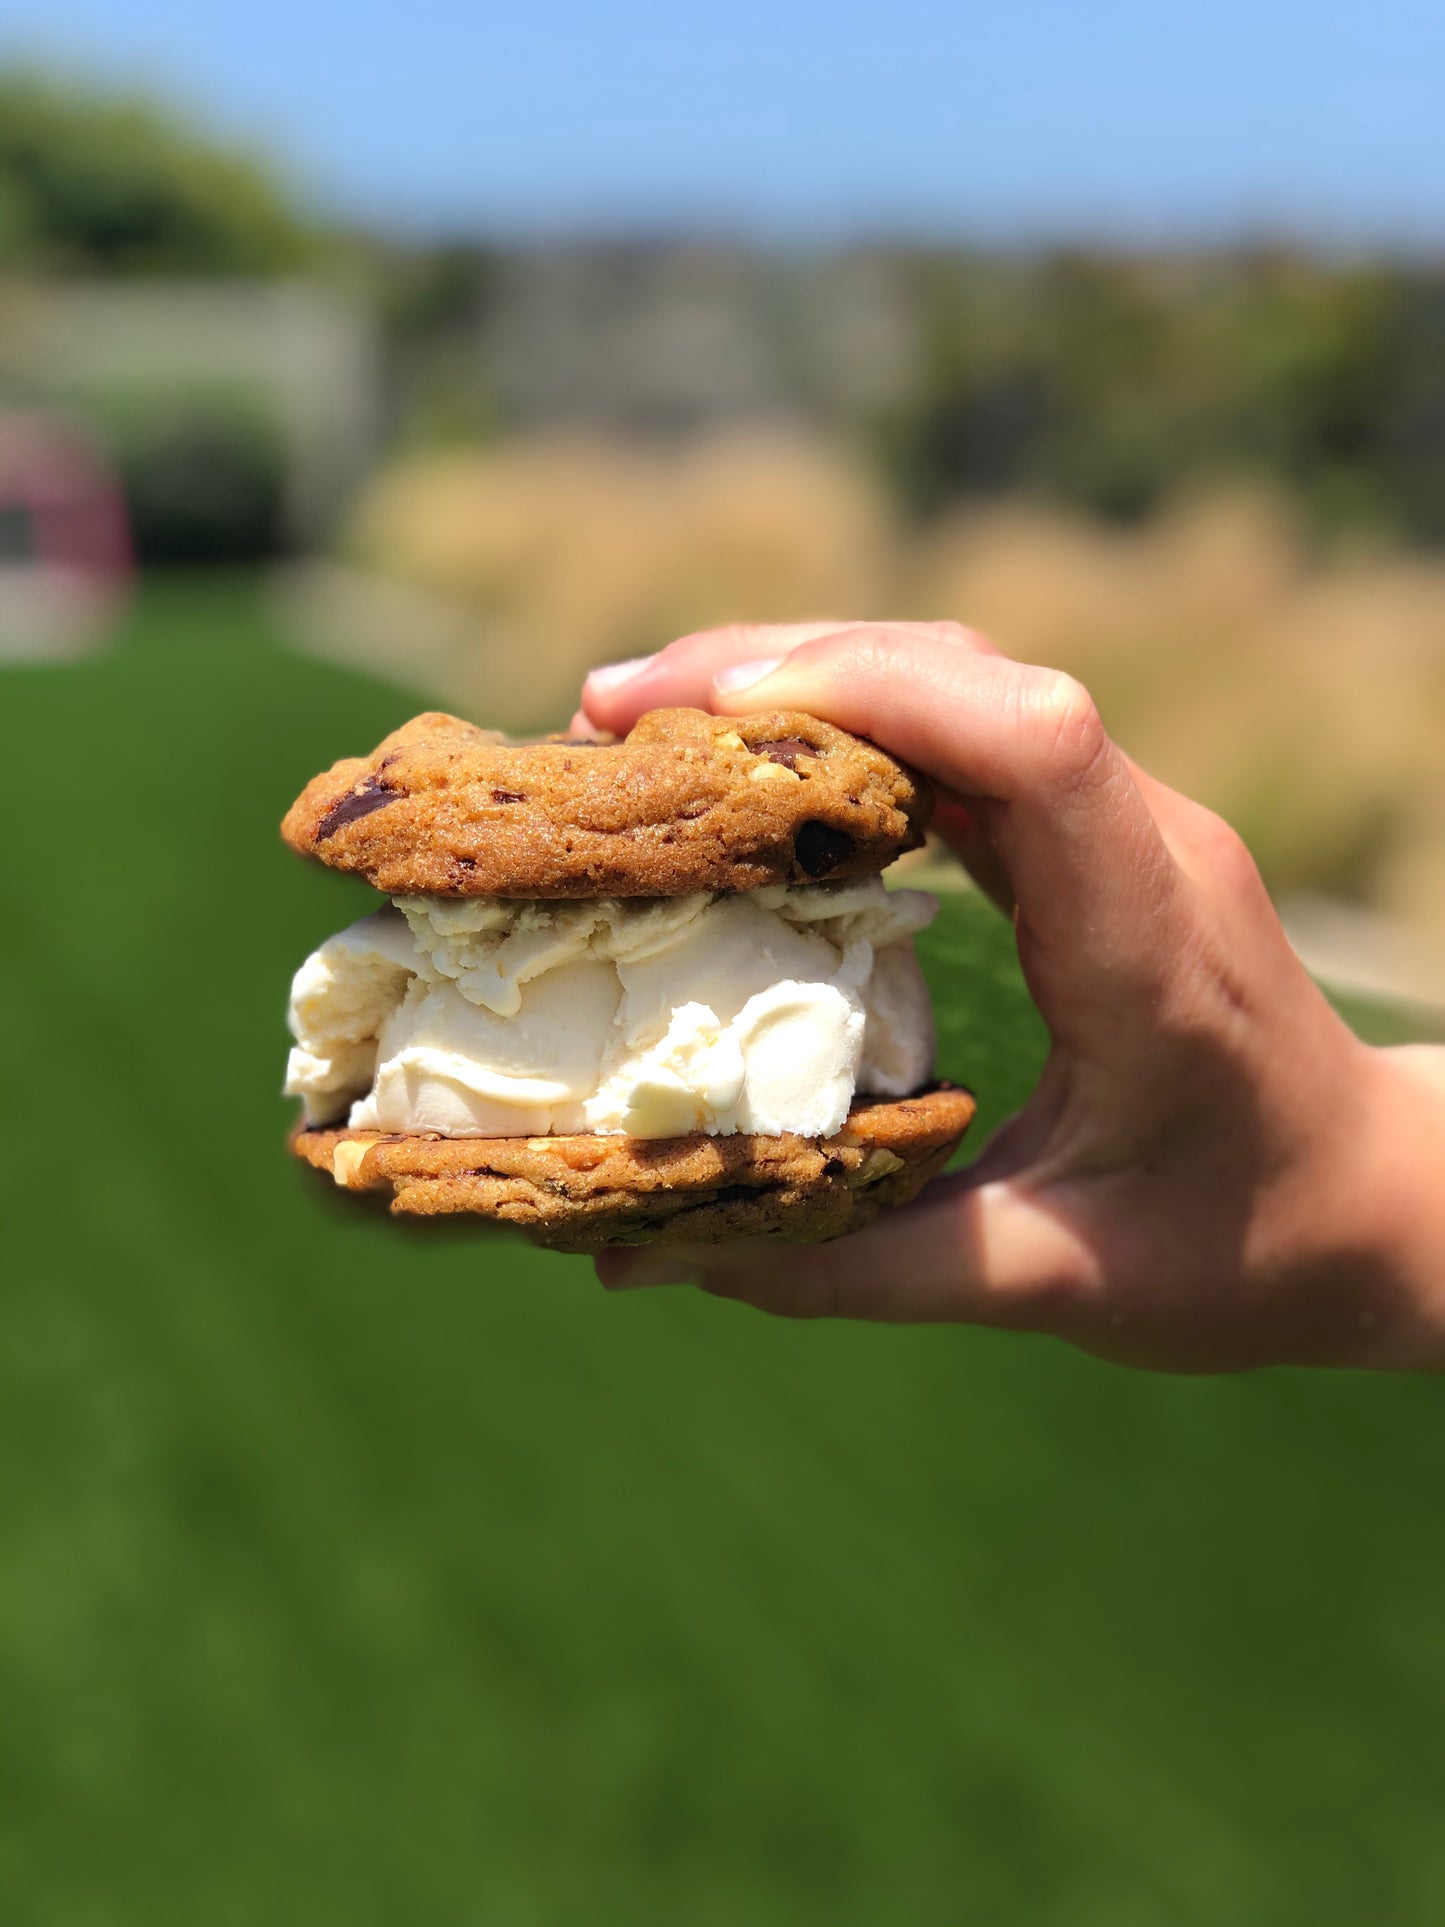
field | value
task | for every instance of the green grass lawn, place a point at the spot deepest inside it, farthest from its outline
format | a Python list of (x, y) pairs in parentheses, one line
[(349, 1576)]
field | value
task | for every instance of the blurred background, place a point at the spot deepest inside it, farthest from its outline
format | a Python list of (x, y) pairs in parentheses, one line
[(350, 363)]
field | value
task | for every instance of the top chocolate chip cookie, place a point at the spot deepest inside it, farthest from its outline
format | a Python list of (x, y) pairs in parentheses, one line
[(686, 802)]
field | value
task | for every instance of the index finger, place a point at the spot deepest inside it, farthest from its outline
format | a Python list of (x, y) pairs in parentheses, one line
[(617, 693)]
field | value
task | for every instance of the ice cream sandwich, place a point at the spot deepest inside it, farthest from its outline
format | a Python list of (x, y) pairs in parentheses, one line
[(626, 992)]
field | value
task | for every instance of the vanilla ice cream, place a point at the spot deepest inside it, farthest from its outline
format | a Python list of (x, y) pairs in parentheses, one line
[(763, 1011)]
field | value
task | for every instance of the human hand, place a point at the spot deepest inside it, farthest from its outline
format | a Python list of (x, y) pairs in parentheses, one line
[(1211, 1173)]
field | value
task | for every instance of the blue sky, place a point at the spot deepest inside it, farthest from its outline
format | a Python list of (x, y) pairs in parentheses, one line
[(1107, 116)]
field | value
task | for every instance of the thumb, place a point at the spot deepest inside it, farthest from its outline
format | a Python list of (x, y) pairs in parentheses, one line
[(975, 1253), (1091, 875)]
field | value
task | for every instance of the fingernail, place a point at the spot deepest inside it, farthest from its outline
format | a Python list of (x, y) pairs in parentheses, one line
[(611, 675), (743, 675)]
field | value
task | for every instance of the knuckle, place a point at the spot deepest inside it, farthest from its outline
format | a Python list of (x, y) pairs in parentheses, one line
[(956, 634), (1068, 731), (1215, 854), (1226, 852)]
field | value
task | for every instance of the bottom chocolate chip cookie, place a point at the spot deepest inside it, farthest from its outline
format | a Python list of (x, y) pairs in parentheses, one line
[(583, 1194)]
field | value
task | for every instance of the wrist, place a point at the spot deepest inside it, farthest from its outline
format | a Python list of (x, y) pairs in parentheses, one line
[(1394, 1198)]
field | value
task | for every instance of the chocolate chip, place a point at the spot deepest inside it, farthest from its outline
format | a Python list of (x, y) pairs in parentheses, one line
[(786, 750), (366, 797), (819, 848), (507, 796)]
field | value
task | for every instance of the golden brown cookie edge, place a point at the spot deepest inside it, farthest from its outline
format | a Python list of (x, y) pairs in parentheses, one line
[(685, 802), (586, 1193)]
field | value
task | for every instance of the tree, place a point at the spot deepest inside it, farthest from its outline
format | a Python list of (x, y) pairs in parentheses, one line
[(102, 182)]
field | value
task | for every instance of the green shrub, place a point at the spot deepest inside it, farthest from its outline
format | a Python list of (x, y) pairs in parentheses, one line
[(1105, 382), (203, 473), (102, 182)]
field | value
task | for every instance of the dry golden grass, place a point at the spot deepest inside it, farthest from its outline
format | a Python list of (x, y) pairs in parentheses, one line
[(1303, 697), (571, 551)]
